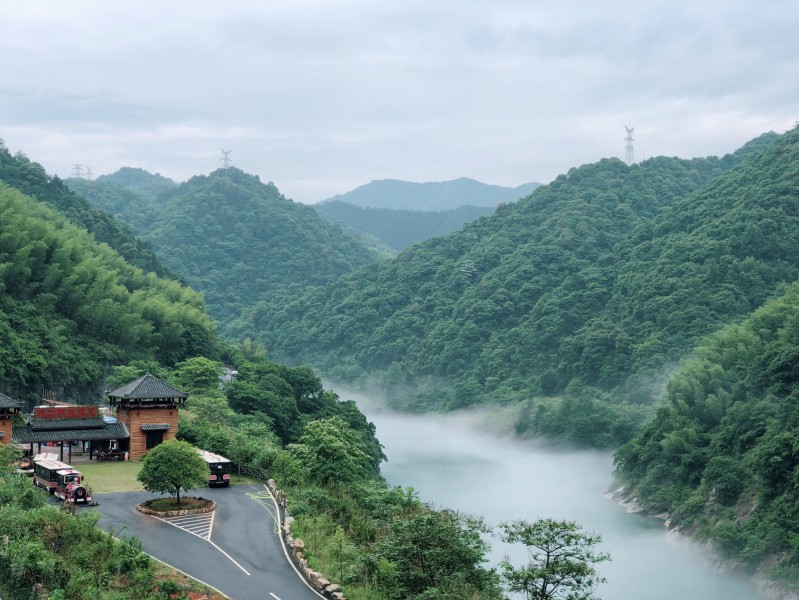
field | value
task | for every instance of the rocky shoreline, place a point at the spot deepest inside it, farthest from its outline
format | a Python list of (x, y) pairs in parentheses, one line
[(703, 551)]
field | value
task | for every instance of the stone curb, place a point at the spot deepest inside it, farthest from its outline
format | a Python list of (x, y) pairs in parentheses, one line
[(175, 513), (296, 551)]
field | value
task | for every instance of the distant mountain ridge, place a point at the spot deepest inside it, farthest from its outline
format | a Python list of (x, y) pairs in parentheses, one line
[(400, 229), (432, 195)]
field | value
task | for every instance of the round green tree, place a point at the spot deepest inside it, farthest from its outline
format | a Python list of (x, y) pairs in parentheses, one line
[(171, 467)]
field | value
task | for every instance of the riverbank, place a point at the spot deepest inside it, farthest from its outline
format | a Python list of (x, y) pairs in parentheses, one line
[(455, 461)]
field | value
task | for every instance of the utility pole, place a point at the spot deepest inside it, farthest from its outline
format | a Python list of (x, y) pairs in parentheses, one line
[(226, 161), (77, 170), (629, 154)]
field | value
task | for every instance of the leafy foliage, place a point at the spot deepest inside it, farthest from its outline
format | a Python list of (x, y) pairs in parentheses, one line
[(562, 560), (239, 240), (171, 467), (721, 456), (69, 306), (331, 452), (48, 552), (30, 178)]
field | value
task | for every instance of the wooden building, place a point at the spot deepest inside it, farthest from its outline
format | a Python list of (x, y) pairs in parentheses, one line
[(149, 409), (9, 408)]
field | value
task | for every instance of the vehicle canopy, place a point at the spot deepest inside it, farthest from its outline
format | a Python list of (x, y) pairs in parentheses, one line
[(66, 476)]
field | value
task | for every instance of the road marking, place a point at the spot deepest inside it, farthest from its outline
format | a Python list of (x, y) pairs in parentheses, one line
[(273, 596), (261, 498), (199, 526), (264, 498)]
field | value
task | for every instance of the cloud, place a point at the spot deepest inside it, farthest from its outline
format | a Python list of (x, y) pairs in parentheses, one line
[(321, 97)]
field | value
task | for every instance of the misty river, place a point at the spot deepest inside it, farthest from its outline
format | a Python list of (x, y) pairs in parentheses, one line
[(453, 462)]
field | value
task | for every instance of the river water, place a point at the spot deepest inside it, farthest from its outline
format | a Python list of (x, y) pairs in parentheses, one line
[(454, 462)]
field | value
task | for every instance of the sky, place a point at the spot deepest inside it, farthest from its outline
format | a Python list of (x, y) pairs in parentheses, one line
[(323, 96)]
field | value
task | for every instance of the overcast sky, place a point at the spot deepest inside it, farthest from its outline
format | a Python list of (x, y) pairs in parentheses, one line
[(323, 96)]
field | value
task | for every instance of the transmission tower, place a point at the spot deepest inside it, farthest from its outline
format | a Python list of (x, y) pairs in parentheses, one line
[(89, 173), (226, 161), (77, 170), (629, 148)]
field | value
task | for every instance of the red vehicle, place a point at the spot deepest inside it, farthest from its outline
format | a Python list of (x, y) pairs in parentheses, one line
[(60, 479), (70, 487)]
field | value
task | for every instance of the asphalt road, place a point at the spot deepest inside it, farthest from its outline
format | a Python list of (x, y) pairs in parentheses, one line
[(242, 556)]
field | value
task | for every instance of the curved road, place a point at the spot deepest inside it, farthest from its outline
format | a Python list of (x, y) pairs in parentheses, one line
[(237, 550)]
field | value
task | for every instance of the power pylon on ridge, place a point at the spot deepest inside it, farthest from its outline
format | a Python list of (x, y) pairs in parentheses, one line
[(77, 170), (629, 148), (226, 160), (89, 173)]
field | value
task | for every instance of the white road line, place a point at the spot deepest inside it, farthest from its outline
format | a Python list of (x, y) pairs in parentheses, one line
[(209, 517), (273, 596)]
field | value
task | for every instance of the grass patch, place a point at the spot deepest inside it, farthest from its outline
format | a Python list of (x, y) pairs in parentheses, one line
[(111, 476), (120, 476), (191, 588)]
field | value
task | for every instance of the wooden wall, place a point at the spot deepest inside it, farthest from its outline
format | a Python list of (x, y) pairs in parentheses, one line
[(134, 418), (5, 427)]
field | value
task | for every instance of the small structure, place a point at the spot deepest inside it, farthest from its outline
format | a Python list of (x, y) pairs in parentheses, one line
[(58, 424), (9, 408), (149, 409)]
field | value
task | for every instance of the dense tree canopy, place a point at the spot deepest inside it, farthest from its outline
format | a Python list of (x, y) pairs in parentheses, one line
[(70, 307), (237, 239), (171, 467), (30, 178), (721, 456)]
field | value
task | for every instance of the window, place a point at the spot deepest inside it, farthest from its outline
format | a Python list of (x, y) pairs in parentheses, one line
[(154, 438)]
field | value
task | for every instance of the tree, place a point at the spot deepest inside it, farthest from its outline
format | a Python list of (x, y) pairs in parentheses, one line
[(562, 559), (171, 467), (198, 375), (331, 452), (433, 551), (9, 454)]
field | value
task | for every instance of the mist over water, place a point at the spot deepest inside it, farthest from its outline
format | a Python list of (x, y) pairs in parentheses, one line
[(453, 462)]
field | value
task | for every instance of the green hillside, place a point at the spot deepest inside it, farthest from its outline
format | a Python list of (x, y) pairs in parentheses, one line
[(135, 209), (239, 240), (70, 307), (400, 229), (30, 178), (721, 456), (140, 181), (581, 295)]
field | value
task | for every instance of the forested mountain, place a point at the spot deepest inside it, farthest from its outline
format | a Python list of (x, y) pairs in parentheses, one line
[(31, 179), (721, 456), (400, 229), (140, 181), (70, 307), (239, 240), (434, 195), (135, 209), (583, 295)]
